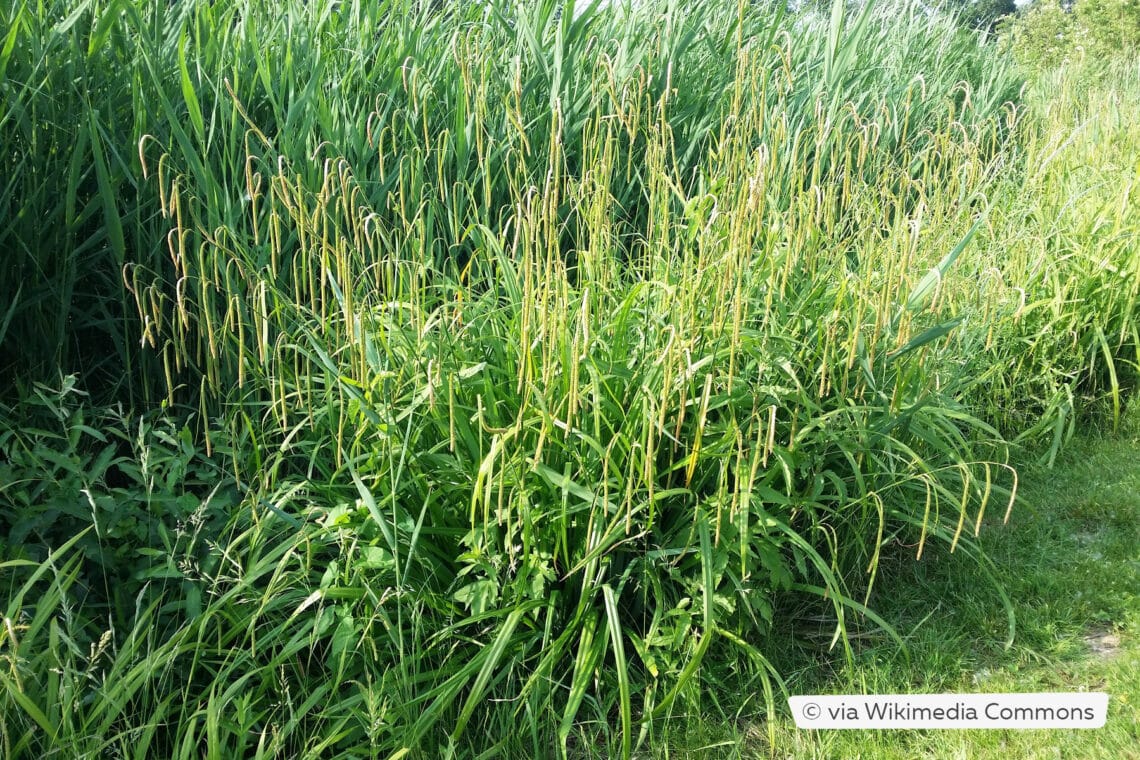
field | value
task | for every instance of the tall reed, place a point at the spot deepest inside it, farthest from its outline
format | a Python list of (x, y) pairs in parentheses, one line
[(555, 355)]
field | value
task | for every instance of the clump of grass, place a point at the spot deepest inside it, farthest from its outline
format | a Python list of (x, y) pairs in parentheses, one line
[(551, 427), (1065, 296), (547, 352), (1067, 559)]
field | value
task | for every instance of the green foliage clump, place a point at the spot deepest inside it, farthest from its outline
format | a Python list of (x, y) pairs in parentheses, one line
[(522, 369), (137, 490), (1046, 33), (982, 15)]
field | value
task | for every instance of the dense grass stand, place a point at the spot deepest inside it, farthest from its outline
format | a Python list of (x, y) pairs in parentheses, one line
[(497, 378)]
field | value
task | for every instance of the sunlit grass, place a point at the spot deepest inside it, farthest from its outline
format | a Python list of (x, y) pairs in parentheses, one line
[(528, 368), (1068, 560)]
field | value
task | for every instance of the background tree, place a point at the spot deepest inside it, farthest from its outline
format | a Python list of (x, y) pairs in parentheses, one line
[(1104, 28), (980, 14), (1047, 33)]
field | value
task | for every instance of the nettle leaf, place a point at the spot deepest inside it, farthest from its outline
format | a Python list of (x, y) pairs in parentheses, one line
[(537, 572), (774, 563), (801, 561), (726, 602), (478, 597), (760, 604), (644, 653)]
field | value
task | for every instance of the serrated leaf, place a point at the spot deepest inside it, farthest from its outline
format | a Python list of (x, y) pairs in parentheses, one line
[(478, 597)]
